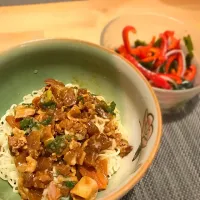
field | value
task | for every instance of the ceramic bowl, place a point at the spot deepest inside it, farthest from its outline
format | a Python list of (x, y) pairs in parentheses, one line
[(147, 25), (24, 69)]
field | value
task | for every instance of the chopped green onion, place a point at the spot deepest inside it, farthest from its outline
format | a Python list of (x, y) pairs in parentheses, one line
[(158, 43), (188, 59), (188, 43), (162, 68), (57, 145), (48, 105), (70, 184), (27, 123), (80, 98), (111, 108), (107, 108), (147, 65)]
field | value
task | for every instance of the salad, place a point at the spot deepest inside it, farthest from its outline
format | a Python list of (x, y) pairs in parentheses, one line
[(162, 61)]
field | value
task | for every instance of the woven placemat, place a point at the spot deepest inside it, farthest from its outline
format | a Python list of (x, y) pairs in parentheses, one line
[(175, 173)]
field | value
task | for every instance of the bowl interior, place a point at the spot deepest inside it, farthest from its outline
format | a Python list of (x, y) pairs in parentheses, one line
[(149, 24), (25, 68)]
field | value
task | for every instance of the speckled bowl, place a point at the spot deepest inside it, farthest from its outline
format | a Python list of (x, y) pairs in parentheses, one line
[(104, 73), (148, 24)]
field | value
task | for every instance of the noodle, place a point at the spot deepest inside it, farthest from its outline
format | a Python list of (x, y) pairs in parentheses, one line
[(8, 169)]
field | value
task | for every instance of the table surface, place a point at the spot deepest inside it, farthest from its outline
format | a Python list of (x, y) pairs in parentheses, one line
[(175, 173)]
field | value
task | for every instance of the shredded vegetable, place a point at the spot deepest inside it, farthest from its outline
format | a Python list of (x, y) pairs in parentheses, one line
[(162, 61)]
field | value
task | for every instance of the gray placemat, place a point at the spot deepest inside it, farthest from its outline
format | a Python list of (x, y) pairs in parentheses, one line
[(175, 173)]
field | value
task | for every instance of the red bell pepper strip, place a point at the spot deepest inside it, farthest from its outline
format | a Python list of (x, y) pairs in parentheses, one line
[(164, 46), (169, 61), (152, 41), (156, 52), (125, 36), (180, 65), (144, 50), (175, 44), (174, 77), (122, 50), (191, 73), (156, 79), (168, 34)]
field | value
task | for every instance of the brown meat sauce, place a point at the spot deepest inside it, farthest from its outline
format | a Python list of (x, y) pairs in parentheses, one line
[(56, 136)]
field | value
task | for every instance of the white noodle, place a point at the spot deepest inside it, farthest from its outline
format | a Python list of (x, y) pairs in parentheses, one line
[(8, 169)]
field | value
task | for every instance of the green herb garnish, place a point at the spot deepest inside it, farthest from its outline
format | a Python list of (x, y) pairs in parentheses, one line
[(111, 107), (48, 105), (147, 65), (139, 43), (57, 145), (107, 108), (188, 59), (70, 184), (162, 68), (80, 99), (184, 85), (28, 123), (158, 43)]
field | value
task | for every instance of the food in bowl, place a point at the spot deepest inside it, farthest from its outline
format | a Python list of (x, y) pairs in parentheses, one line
[(61, 141), (162, 61)]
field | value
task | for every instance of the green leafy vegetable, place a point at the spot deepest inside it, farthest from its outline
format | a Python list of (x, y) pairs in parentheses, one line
[(57, 145), (188, 59), (107, 108), (28, 123), (111, 108), (70, 184), (48, 105), (162, 68), (158, 43), (47, 121), (173, 65), (80, 98), (188, 43), (147, 65), (140, 43), (185, 85)]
